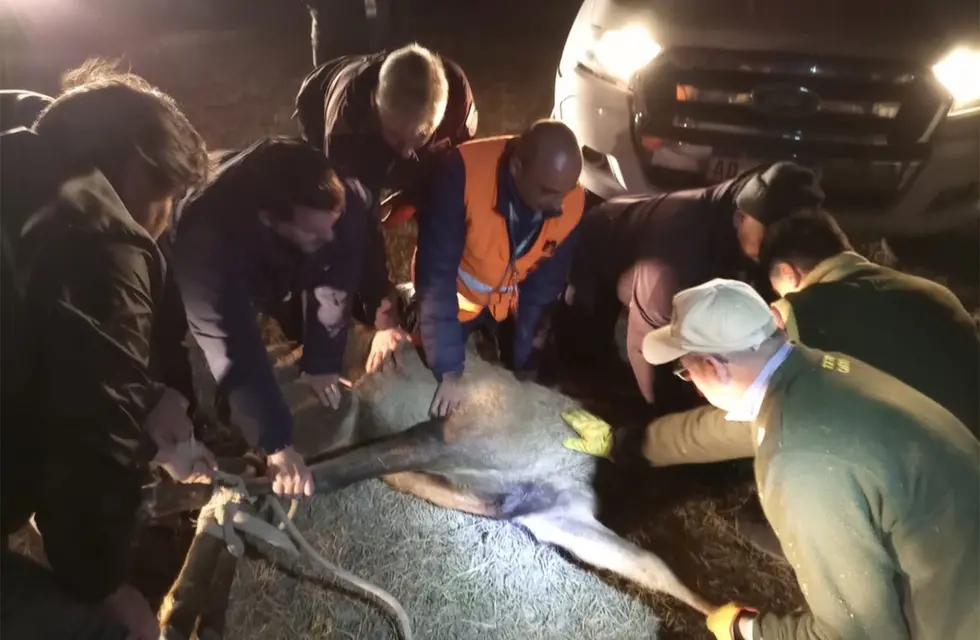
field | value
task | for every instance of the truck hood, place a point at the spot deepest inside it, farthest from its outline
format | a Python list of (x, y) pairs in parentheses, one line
[(920, 32)]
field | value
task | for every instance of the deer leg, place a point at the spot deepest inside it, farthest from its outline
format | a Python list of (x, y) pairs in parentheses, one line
[(212, 621), (440, 493), (586, 538), (188, 596), (411, 450)]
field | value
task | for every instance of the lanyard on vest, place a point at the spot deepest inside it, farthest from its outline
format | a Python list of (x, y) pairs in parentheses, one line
[(517, 250)]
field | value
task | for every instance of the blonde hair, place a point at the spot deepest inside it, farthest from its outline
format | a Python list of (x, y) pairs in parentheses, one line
[(412, 84)]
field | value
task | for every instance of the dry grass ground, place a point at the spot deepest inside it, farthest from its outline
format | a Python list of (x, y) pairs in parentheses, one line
[(459, 576), (465, 577)]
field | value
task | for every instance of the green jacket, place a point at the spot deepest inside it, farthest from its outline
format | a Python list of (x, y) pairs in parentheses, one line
[(696, 436), (874, 492), (911, 328), (907, 326)]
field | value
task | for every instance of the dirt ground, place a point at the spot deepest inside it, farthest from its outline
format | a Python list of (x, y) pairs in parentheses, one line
[(235, 71)]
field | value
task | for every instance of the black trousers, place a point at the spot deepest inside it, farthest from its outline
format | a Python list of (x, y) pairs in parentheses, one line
[(33, 607), (589, 335)]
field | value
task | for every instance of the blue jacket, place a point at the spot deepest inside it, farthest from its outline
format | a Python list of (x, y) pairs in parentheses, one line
[(442, 237), (229, 264)]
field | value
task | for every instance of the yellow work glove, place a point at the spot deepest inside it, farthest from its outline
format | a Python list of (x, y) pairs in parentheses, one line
[(595, 434), (723, 620)]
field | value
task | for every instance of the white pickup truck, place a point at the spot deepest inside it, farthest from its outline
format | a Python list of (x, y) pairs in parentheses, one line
[(881, 99)]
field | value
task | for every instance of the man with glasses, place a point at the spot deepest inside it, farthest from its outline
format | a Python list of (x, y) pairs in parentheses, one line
[(870, 486)]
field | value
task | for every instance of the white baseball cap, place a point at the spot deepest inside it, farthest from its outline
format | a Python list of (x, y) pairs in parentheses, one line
[(719, 316)]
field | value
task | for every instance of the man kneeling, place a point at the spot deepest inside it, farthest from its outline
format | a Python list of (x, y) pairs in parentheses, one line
[(275, 230), (870, 486), (88, 384), (834, 298)]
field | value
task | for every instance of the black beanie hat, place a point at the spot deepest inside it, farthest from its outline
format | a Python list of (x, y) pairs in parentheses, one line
[(778, 191)]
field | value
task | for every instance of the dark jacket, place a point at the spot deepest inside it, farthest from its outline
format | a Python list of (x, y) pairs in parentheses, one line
[(80, 287), (442, 237), (648, 248), (229, 264), (336, 112), (872, 489), (854, 306)]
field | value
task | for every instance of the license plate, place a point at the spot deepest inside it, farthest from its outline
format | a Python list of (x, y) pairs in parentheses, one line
[(721, 169)]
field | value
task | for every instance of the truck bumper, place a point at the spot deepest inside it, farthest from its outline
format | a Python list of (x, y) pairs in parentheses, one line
[(943, 194)]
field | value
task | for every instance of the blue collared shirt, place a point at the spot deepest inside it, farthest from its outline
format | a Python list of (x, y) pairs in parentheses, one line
[(751, 401), (442, 238)]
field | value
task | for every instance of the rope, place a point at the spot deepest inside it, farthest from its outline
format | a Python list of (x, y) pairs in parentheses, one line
[(404, 625), (224, 514)]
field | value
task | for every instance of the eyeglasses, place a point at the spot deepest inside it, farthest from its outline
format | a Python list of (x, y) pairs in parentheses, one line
[(682, 373)]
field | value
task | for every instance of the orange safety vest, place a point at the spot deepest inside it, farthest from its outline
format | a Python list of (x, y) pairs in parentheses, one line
[(487, 276)]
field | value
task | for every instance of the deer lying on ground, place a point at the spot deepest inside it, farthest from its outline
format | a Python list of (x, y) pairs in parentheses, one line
[(499, 455)]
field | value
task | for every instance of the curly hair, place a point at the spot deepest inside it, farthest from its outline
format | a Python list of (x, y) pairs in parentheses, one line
[(104, 116)]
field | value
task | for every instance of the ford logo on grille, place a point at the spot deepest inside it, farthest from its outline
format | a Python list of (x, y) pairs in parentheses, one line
[(785, 100)]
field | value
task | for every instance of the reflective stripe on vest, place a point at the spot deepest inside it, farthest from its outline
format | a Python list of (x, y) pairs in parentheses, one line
[(468, 307), (494, 263), (479, 286)]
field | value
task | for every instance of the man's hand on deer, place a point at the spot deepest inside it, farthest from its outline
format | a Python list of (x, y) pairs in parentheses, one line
[(186, 461), (290, 475), (178, 453), (731, 622), (384, 344), (448, 396), (327, 387), (595, 434)]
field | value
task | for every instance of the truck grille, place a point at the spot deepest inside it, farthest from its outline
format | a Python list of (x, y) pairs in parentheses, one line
[(826, 111)]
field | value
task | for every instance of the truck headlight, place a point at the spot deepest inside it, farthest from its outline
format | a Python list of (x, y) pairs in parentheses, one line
[(617, 54), (959, 73)]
